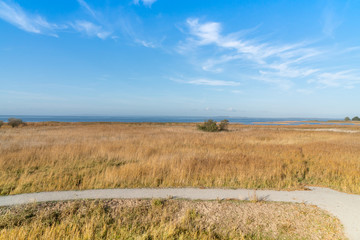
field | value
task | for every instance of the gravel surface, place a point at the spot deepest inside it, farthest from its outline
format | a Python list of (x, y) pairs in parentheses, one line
[(346, 207)]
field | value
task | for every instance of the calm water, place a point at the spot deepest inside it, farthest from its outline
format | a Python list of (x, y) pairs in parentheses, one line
[(33, 118)]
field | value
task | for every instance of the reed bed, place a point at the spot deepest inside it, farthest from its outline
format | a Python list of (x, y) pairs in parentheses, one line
[(65, 156)]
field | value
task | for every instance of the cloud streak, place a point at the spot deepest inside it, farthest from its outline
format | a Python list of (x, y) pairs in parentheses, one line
[(278, 64), (87, 8), (15, 15), (331, 21), (145, 43), (91, 23), (90, 29), (275, 58), (208, 82), (146, 3), (347, 79)]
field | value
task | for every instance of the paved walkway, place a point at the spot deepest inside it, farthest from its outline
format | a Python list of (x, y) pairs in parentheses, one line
[(346, 207)]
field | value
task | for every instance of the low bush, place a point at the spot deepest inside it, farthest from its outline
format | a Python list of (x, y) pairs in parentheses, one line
[(1, 123), (15, 122), (212, 126), (223, 126), (356, 118)]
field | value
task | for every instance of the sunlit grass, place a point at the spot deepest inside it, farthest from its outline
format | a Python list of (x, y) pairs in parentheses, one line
[(46, 157), (167, 219)]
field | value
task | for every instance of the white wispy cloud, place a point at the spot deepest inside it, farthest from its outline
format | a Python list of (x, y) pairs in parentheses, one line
[(330, 21), (145, 43), (102, 27), (95, 24), (146, 3), (346, 79), (351, 49), (207, 82), (212, 82), (87, 8), (278, 64), (90, 29), (207, 33), (278, 58), (281, 83), (93, 28), (15, 15)]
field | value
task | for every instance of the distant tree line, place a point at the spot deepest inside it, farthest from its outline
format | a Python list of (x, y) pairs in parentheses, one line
[(212, 126), (353, 119), (13, 122)]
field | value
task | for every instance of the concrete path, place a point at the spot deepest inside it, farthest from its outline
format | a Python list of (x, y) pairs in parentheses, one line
[(346, 207)]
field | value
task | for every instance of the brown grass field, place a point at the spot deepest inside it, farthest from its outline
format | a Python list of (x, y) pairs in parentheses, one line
[(167, 219), (64, 156)]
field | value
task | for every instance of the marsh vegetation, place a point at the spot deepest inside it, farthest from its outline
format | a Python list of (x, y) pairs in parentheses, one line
[(65, 156)]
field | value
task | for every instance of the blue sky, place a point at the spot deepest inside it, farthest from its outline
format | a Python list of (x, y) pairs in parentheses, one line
[(180, 57)]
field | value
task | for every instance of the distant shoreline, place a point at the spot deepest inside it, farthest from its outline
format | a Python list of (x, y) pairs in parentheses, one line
[(159, 119)]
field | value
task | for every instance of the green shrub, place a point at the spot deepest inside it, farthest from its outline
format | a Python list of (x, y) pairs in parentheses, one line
[(1, 123), (212, 126), (356, 118), (347, 119), (15, 122), (223, 125)]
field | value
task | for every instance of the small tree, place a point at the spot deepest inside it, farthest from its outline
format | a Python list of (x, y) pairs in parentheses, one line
[(1, 123), (223, 125), (347, 119), (356, 118), (15, 122)]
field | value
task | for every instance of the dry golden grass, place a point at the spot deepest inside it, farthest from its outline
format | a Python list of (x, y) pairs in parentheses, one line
[(63, 156), (167, 219)]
